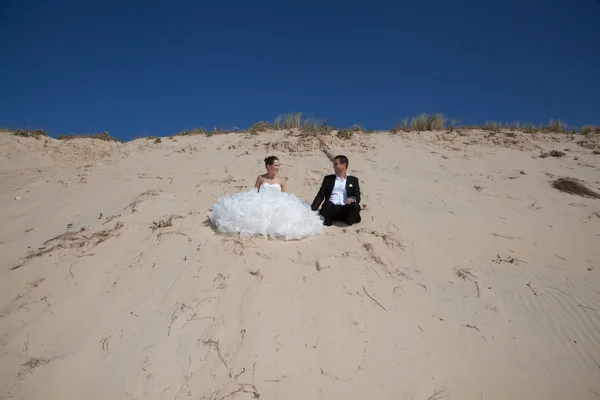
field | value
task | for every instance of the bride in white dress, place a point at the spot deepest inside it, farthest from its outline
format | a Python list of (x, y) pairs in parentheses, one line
[(268, 210)]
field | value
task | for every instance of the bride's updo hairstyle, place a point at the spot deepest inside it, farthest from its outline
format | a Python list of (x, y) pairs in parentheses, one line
[(270, 160)]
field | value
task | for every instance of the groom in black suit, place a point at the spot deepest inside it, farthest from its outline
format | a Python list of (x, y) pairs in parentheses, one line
[(341, 193)]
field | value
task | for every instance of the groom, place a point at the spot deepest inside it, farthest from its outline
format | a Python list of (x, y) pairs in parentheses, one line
[(341, 193)]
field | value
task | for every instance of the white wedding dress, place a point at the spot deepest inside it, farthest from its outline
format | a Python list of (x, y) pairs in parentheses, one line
[(267, 212)]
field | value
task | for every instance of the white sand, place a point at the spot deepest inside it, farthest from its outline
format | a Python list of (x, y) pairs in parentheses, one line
[(175, 313)]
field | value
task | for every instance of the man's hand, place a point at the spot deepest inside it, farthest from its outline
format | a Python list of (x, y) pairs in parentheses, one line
[(350, 200)]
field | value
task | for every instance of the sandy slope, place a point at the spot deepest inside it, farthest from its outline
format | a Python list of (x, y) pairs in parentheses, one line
[(374, 311)]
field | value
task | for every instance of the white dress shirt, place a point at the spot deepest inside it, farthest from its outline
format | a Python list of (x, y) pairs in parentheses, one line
[(339, 194)]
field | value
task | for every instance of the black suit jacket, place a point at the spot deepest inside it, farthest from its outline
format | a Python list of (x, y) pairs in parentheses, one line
[(352, 189)]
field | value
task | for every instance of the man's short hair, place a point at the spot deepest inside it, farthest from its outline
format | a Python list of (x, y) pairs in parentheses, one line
[(342, 160)]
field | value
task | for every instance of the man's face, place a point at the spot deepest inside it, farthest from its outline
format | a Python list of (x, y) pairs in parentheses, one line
[(338, 167)]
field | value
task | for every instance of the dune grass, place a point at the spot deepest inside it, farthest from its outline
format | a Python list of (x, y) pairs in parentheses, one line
[(296, 121), (100, 136), (260, 126), (553, 126), (590, 129), (420, 123), (37, 134), (192, 132), (315, 126), (288, 121), (204, 132)]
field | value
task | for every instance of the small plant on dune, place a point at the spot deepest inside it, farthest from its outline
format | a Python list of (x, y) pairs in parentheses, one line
[(557, 153), (105, 136), (37, 134), (163, 223), (192, 132), (492, 127), (100, 136), (314, 126), (260, 126), (553, 153), (220, 131), (359, 128), (345, 134)]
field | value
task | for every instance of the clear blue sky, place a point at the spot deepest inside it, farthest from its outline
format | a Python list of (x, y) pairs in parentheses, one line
[(156, 67)]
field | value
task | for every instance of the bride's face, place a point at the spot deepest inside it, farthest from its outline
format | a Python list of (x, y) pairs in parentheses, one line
[(273, 169)]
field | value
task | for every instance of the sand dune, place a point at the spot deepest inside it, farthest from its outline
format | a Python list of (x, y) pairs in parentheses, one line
[(470, 276)]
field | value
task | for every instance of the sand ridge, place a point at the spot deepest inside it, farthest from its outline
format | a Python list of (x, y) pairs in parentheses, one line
[(470, 276)]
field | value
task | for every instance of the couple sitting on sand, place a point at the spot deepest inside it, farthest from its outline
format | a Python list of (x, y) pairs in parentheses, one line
[(269, 210)]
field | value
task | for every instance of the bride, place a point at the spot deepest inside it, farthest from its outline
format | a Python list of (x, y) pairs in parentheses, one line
[(268, 210)]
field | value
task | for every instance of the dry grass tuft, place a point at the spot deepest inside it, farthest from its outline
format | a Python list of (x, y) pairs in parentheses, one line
[(438, 394), (388, 239), (133, 205), (572, 186), (368, 247), (35, 283), (244, 388), (30, 365), (465, 274), (69, 240), (257, 274)]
